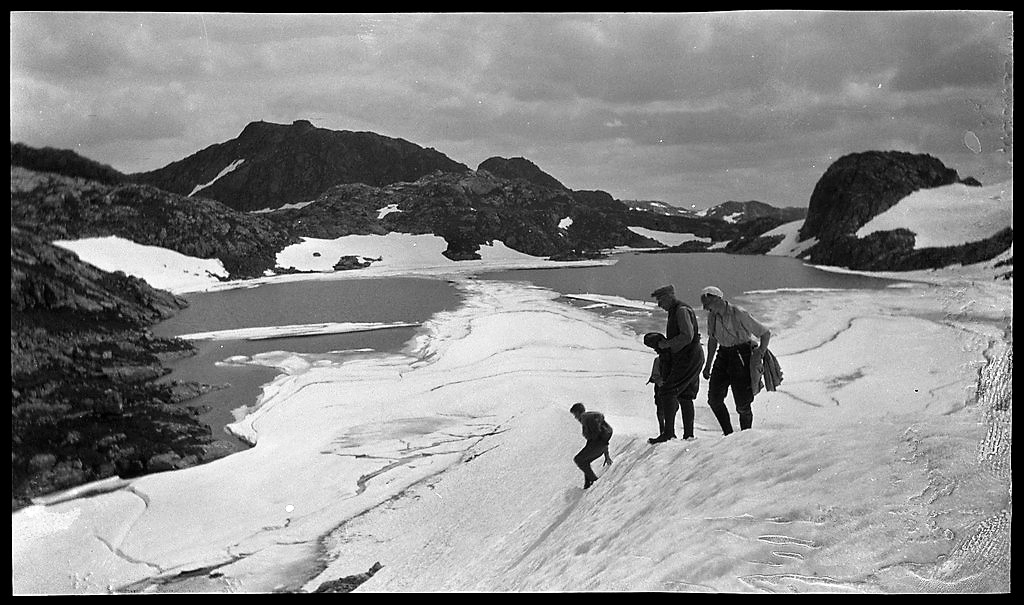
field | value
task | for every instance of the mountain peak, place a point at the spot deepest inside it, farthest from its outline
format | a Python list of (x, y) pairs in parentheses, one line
[(262, 128), (271, 165), (520, 168)]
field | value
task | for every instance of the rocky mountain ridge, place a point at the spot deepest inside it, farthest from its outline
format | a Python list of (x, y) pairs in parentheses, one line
[(468, 210), (270, 165), (63, 161), (519, 168), (55, 207), (659, 207), (738, 212)]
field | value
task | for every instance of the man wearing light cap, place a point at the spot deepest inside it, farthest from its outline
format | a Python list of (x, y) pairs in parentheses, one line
[(681, 380), (731, 334)]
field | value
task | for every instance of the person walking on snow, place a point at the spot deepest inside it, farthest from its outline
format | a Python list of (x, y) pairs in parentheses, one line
[(658, 371), (681, 378), (731, 334), (598, 433)]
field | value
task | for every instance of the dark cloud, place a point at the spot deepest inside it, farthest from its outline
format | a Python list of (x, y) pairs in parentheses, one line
[(645, 102), (976, 65)]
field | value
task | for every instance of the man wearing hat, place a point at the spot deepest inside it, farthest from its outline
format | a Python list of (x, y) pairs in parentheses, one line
[(732, 332), (681, 378)]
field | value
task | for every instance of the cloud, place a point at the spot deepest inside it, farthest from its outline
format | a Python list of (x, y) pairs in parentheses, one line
[(976, 65), (656, 92)]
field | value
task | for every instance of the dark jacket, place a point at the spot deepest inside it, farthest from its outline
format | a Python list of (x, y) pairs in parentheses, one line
[(770, 371), (688, 361), (595, 428)]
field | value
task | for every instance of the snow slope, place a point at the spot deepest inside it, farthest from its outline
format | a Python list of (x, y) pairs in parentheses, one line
[(668, 238), (943, 216), (948, 216), (161, 268), (882, 463)]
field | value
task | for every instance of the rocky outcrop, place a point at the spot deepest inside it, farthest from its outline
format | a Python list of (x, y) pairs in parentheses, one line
[(860, 186), (519, 168), (270, 165), (469, 209), (349, 583), (64, 162), (894, 251), (56, 207), (85, 403)]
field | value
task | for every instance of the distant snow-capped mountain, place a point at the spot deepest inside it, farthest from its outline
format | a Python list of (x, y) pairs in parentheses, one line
[(659, 208), (730, 212), (739, 212)]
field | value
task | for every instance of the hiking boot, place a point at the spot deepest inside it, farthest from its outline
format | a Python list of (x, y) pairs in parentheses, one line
[(661, 439), (588, 483), (688, 437)]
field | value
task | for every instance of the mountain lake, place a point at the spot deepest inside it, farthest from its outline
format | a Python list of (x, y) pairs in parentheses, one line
[(415, 300)]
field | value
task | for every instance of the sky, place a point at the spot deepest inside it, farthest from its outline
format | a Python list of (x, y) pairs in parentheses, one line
[(693, 109)]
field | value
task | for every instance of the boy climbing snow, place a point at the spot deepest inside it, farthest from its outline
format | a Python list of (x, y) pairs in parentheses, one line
[(598, 433)]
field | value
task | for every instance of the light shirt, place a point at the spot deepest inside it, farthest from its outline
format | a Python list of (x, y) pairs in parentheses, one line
[(734, 327)]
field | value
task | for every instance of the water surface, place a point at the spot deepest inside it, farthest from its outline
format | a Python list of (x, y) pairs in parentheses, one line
[(636, 275), (305, 302)]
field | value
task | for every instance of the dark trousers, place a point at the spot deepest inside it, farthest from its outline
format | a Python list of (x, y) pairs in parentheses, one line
[(667, 401), (590, 452), (731, 370)]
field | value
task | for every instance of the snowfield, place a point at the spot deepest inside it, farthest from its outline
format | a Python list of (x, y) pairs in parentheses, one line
[(948, 216), (881, 465), (668, 238)]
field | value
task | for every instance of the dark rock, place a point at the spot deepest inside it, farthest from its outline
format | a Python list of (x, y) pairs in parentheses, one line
[(42, 462), (167, 461), (347, 263), (894, 251), (54, 207), (598, 200), (468, 210), (860, 186), (753, 245), (84, 399), (64, 162), (286, 164), (520, 168), (349, 583), (691, 246)]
